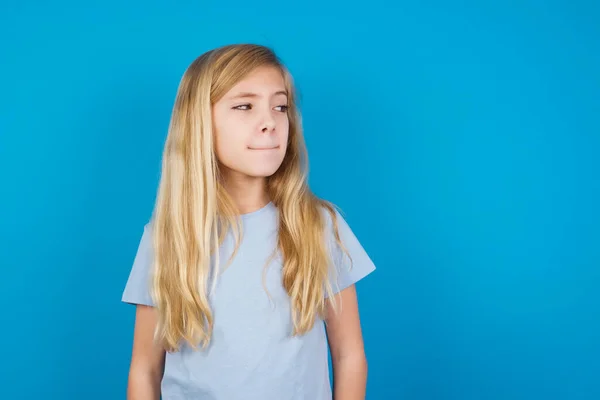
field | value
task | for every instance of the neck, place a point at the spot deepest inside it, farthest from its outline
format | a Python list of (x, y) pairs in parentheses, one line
[(248, 193)]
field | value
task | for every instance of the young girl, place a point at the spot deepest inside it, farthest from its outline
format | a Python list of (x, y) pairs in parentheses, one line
[(243, 277)]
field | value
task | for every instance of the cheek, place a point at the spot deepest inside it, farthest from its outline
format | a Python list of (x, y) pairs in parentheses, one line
[(229, 141), (286, 131), (224, 144), (285, 134)]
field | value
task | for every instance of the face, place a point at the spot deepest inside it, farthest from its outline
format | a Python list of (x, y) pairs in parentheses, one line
[(251, 125)]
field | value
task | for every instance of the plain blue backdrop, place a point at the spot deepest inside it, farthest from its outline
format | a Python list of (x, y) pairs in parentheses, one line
[(461, 139)]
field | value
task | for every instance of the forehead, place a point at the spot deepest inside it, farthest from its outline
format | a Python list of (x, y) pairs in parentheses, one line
[(262, 80)]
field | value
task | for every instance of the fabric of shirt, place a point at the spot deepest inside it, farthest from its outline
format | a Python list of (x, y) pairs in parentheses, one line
[(252, 354)]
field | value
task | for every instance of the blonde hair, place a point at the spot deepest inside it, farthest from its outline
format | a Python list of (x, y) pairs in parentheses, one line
[(193, 211)]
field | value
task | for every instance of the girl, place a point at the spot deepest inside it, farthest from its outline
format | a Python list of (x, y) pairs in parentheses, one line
[(243, 276)]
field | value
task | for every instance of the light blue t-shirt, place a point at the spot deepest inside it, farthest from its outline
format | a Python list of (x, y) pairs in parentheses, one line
[(252, 355)]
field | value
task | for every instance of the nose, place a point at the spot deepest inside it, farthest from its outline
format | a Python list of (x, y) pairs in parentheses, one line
[(268, 123)]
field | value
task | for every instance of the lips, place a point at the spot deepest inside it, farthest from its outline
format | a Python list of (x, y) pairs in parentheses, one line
[(264, 148)]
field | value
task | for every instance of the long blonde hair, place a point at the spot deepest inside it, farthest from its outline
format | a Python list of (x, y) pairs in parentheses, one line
[(193, 211)]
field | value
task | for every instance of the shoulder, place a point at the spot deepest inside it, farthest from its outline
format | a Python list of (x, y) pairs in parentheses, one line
[(331, 214), (350, 259), (335, 223)]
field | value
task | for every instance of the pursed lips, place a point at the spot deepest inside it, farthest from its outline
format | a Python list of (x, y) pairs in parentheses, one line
[(263, 148)]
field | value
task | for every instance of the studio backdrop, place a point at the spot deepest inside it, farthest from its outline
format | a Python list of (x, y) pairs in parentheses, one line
[(461, 140)]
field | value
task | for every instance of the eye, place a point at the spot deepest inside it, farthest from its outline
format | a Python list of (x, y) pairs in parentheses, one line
[(242, 107), (283, 108)]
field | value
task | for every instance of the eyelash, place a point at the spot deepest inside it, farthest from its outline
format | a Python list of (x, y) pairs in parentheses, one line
[(285, 107)]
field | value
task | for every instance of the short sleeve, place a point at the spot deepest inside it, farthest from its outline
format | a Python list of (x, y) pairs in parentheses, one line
[(347, 270), (137, 288)]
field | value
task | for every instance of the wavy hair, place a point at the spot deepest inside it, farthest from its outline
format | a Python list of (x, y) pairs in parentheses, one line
[(193, 212)]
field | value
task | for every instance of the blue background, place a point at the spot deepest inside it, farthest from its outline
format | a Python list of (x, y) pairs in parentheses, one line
[(461, 139)]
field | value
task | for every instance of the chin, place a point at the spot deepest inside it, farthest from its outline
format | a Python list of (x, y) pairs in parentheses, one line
[(264, 173), (263, 168)]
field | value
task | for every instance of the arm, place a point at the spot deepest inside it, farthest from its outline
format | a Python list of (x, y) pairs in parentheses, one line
[(347, 349), (147, 359)]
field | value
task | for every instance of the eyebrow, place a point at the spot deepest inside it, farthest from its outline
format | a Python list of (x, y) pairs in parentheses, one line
[(254, 95)]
